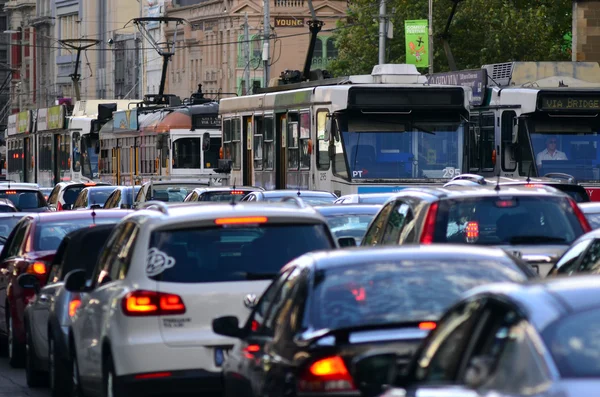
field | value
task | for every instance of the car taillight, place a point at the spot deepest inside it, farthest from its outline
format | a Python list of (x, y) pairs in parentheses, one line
[(585, 225), (150, 303), (427, 325), (74, 305), (326, 375), (59, 206), (429, 228), (472, 232), (37, 268)]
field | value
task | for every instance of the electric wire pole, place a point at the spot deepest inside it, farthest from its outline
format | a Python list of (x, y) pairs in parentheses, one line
[(382, 31), (430, 36), (246, 55), (266, 49)]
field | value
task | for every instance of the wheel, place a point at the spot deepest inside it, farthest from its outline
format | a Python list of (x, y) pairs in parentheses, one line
[(60, 378), (15, 349), (34, 377), (76, 390), (110, 385)]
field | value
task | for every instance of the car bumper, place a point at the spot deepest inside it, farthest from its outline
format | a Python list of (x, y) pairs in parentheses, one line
[(183, 382)]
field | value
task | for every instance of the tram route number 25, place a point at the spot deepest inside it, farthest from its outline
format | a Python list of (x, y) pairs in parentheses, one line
[(450, 172)]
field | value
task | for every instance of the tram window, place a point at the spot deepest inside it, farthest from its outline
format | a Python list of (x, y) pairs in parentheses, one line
[(305, 149), (481, 142), (509, 162), (258, 152), (186, 153), (211, 156), (236, 144), (269, 147), (487, 141), (323, 161), (227, 146), (292, 145), (76, 153)]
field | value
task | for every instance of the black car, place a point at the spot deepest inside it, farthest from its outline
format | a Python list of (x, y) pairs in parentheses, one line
[(535, 340), (327, 308), (536, 222), (25, 199)]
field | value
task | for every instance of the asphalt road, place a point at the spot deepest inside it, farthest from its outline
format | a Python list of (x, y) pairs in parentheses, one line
[(13, 384)]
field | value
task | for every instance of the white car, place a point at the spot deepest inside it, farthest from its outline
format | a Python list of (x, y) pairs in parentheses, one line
[(145, 323)]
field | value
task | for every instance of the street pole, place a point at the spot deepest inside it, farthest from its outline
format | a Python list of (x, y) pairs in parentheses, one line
[(430, 36), (266, 50), (382, 31), (246, 55)]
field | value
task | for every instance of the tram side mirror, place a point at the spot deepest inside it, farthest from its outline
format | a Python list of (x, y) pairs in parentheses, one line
[(515, 130), (327, 129), (205, 141), (97, 147), (331, 150)]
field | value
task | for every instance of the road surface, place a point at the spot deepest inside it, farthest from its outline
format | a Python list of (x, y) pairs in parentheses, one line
[(13, 384)]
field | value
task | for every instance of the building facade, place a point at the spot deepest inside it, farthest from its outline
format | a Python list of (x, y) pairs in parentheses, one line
[(5, 75), (211, 51), (22, 55), (586, 31), (44, 25), (68, 24)]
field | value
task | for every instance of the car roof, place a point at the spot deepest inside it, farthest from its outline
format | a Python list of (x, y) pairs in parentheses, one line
[(483, 191), (433, 252), (348, 209), (19, 188), (16, 214), (80, 214), (291, 192), (178, 182), (590, 207), (177, 213), (109, 187), (226, 189)]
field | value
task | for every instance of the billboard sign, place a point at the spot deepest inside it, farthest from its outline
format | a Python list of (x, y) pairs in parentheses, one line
[(51, 118), (125, 120), (476, 79), (417, 42)]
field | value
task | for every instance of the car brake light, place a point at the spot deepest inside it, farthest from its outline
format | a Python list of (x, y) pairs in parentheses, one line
[(38, 268), (73, 306), (506, 203), (153, 375), (10, 192), (150, 303), (429, 229), (254, 325), (89, 184), (241, 220), (326, 375), (59, 206), (237, 192), (250, 350), (427, 325), (585, 225), (472, 231)]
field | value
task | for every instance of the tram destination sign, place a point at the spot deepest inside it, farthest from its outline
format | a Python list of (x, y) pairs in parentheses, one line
[(569, 102), (425, 97), (476, 79), (205, 120)]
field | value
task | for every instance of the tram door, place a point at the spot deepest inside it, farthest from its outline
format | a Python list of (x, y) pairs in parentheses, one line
[(55, 158), (247, 154), (280, 158), (27, 161)]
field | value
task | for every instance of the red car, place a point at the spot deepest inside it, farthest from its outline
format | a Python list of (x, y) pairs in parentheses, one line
[(30, 249)]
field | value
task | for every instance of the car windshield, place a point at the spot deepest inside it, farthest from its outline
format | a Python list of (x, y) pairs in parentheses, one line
[(398, 291), (507, 220), (171, 193), (100, 195), (389, 148), (24, 199), (7, 224), (204, 255), (226, 196), (574, 342), (48, 235), (349, 225), (566, 146)]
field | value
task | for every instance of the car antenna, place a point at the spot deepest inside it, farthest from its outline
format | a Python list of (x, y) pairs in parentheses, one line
[(529, 173), (94, 215), (298, 192), (232, 202), (497, 188)]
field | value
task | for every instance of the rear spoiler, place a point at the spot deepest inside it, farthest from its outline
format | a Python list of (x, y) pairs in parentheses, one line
[(342, 335)]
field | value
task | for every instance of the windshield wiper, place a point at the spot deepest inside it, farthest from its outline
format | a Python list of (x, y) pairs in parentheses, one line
[(535, 239), (257, 276)]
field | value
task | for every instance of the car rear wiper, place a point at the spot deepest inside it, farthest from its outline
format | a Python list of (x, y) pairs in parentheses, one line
[(535, 239), (257, 276)]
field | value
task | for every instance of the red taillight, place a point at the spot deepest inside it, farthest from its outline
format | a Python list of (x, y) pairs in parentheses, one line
[(585, 225), (73, 306), (153, 375), (59, 206), (359, 294), (429, 229), (37, 268), (250, 350), (326, 375), (150, 303), (254, 325), (427, 325), (472, 231)]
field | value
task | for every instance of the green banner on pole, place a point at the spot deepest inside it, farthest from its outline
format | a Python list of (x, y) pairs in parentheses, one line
[(417, 42)]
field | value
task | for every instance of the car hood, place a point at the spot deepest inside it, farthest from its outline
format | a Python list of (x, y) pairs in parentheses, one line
[(542, 255)]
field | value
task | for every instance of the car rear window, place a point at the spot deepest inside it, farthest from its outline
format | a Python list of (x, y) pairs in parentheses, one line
[(237, 195), (172, 193), (70, 194), (311, 200), (573, 343), (7, 208), (398, 291), (7, 224), (349, 225), (99, 196), (91, 244), (220, 254), (578, 193), (48, 235), (507, 220), (593, 219), (373, 200), (24, 199)]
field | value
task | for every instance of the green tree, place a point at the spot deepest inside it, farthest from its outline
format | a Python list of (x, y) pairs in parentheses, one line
[(482, 32)]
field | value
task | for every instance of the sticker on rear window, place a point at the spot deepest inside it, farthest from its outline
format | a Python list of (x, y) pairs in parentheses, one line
[(158, 262)]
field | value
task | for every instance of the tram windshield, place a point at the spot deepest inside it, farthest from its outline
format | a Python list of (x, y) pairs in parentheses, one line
[(89, 157), (394, 149), (570, 146)]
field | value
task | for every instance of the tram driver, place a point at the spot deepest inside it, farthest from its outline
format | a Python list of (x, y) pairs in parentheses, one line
[(550, 153)]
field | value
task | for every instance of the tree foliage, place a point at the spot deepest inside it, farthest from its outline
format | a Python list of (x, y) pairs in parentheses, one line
[(481, 32)]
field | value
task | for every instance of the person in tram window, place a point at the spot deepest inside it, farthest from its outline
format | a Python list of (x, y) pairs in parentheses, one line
[(550, 153)]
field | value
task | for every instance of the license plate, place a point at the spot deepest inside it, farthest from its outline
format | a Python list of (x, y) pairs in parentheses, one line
[(221, 354)]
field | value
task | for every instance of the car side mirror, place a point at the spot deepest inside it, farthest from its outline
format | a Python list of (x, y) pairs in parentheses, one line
[(347, 242), (374, 372), (478, 371), (227, 326), (75, 281), (250, 301), (29, 281)]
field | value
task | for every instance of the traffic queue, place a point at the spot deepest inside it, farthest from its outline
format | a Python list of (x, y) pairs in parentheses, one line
[(472, 288)]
